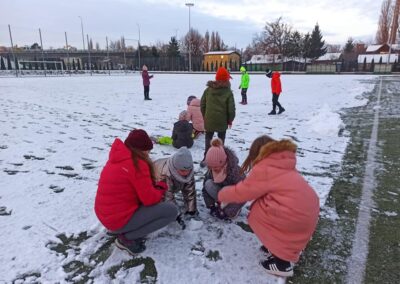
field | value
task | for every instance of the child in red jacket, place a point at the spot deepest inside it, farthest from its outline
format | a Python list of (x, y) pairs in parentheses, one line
[(276, 88), (128, 200)]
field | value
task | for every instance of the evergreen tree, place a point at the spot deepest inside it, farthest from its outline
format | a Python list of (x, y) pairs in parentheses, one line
[(212, 42), (306, 46), (16, 63), (372, 67), (30, 66), (2, 65), (173, 48), (317, 47), (206, 44), (365, 64), (73, 64), (349, 47), (63, 65), (79, 64), (294, 45), (154, 52)]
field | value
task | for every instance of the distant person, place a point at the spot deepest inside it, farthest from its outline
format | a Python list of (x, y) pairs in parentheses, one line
[(223, 170), (244, 84), (285, 208), (217, 107), (182, 132), (195, 116), (129, 200), (146, 83), (276, 88), (177, 172)]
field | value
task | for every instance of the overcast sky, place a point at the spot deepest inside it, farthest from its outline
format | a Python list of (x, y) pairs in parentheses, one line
[(237, 21)]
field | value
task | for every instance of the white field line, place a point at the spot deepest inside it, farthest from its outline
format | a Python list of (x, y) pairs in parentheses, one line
[(358, 258)]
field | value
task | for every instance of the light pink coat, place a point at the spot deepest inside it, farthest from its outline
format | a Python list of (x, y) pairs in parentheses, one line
[(195, 115), (285, 210)]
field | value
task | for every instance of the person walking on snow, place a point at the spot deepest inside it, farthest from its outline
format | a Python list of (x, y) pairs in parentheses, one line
[(285, 208), (244, 85), (128, 199), (276, 88), (217, 107), (146, 83)]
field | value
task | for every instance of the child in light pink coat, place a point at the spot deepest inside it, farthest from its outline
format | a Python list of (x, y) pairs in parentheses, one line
[(194, 114), (285, 208)]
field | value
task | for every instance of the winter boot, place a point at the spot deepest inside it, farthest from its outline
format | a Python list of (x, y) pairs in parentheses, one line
[(277, 266), (180, 221), (281, 110), (273, 112), (133, 247)]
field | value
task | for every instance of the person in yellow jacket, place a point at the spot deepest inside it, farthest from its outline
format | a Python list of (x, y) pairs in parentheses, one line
[(244, 85)]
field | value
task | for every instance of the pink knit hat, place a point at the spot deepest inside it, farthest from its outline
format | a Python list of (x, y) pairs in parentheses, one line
[(216, 158)]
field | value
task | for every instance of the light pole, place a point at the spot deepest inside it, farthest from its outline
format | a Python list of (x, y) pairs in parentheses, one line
[(190, 38), (83, 37), (139, 46)]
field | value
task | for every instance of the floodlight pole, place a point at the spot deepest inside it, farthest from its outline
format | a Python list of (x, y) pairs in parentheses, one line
[(83, 37), (108, 58), (12, 51), (90, 61), (66, 45), (190, 38), (139, 46), (41, 46)]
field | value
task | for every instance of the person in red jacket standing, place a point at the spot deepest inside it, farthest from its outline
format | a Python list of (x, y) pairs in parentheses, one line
[(276, 88), (146, 83), (128, 200)]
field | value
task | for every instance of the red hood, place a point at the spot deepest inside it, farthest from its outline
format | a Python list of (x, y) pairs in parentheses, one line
[(119, 152)]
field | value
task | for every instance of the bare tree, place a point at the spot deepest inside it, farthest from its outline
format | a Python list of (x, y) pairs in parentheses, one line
[(275, 36), (206, 44), (196, 41), (382, 35), (212, 42)]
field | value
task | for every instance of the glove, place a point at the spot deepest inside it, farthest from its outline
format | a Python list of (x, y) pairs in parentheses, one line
[(161, 185), (229, 124)]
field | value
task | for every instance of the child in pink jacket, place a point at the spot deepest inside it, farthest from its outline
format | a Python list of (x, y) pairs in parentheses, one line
[(285, 208), (194, 114)]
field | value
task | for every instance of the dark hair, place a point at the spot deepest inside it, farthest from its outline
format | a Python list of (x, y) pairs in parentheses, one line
[(254, 151), (142, 155)]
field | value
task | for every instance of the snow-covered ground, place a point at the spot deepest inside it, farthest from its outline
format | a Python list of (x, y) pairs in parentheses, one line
[(55, 136)]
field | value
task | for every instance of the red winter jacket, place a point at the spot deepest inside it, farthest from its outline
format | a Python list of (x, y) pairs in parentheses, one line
[(123, 189), (276, 83)]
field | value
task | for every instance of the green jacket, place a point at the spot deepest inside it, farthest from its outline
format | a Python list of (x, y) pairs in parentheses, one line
[(217, 106), (245, 80)]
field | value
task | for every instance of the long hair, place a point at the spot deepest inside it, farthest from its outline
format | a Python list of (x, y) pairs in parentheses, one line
[(254, 151), (141, 155)]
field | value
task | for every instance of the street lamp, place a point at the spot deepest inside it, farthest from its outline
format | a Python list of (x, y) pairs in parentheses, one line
[(83, 37), (190, 38), (139, 45)]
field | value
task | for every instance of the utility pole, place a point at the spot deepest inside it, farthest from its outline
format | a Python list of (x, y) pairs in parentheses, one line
[(83, 37), (140, 67), (190, 38), (108, 58), (12, 51), (90, 61), (66, 45), (41, 46)]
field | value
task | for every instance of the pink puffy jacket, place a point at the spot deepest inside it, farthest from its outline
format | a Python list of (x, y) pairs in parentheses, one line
[(195, 115)]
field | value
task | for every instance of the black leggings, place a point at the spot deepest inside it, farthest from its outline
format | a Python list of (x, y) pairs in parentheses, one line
[(275, 103), (209, 136)]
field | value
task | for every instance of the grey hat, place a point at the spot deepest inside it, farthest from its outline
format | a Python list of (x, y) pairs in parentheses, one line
[(182, 159)]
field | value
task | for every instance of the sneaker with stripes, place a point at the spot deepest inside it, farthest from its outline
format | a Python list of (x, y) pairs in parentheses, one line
[(277, 266), (266, 252)]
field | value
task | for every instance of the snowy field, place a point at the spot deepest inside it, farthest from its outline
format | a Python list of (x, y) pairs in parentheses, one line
[(55, 137)]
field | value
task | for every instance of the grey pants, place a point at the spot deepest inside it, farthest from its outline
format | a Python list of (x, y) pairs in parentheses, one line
[(210, 193), (148, 219)]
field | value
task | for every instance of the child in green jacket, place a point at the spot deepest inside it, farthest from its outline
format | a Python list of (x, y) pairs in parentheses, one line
[(244, 85)]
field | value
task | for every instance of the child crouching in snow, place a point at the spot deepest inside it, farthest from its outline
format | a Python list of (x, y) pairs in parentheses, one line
[(177, 171), (285, 210), (194, 114), (128, 200), (182, 132), (223, 170)]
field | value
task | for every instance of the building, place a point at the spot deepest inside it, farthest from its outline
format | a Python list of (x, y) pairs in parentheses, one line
[(214, 59), (378, 54)]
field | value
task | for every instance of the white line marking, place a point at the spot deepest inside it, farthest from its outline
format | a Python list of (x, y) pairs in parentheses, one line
[(359, 253)]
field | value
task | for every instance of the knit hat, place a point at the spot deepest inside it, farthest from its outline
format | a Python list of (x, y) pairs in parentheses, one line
[(139, 139), (222, 74), (268, 73), (183, 115), (182, 159), (216, 158), (144, 68), (189, 99)]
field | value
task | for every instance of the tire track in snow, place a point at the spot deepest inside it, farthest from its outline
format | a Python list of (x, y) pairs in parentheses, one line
[(359, 253)]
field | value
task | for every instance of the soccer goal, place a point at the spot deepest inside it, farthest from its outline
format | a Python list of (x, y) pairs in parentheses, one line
[(42, 66)]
